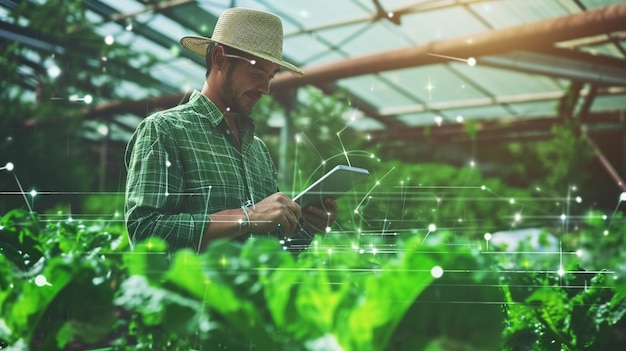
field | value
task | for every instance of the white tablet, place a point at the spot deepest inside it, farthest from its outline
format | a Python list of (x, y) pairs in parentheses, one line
[(333, 184)]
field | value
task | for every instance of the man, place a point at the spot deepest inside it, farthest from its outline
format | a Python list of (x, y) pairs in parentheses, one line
[(197, 172)]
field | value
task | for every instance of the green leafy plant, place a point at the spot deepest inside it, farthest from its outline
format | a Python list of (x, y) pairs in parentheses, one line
[(86, 290), (58, 282)]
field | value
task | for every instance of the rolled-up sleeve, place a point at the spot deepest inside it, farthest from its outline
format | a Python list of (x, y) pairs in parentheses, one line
[(155, 190)]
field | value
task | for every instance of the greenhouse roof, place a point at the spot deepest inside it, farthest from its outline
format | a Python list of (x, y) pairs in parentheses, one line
[(406, 64)]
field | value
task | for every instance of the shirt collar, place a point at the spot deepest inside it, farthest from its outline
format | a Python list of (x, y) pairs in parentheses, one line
[(208, 109)]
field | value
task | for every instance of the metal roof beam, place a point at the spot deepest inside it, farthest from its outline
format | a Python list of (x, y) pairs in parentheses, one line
[(560, 66), (482, 102), (529, 36)]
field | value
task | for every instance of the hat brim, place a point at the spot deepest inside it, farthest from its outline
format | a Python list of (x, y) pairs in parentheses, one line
[(199, 45)]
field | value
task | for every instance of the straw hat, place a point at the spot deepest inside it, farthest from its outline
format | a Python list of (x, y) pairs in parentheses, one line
[(255, 32)]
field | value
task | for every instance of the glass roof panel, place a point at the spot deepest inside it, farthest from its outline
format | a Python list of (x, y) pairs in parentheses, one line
[(608, 102), (505, 82), (535, 108), (375, 91), (507, 13), (608, 49), (366, 38), (592, 4), (127, 6), (166, 27), (444, 84), (308, 50), (419, 118), (480, 112), (307, 15), (430, 26)]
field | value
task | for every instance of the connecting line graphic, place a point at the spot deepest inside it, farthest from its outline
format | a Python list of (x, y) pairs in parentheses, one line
[(10, 167), (470, 60), (341, 141), (356, 210)]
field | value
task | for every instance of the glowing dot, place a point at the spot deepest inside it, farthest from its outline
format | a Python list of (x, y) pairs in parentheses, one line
[(361, 251), (579, 253), (459, 119), (167, 193), (622, 197), (574, 188), (518, 217), (9, 166), (390, 14), (487, 236), (129, 26), (563, 217), (253, 62), (538, 189), (472, 163), (103, 129), (471, 62), (327, 229), (41, 280), (374, 251), (436, 272), (88, 99), (606, 232), (33, 193), (356, 211), (109, 40), (54, 71), (432, 227), (560, 272), (438, 200), (438, 120), (168, 163), (227, 109), (511, 201), (604, 217), (579, 199), (482, 187)]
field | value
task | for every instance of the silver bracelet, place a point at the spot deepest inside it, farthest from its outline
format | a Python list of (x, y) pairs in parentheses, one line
[(244, 208)]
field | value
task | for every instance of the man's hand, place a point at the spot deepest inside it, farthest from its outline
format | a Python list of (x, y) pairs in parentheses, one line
[(274, 212), (319, 217)]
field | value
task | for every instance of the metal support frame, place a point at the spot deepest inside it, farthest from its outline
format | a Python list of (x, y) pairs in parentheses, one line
[(529, 36)]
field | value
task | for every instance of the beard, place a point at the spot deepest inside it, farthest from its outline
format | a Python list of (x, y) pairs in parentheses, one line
[(233, 102)]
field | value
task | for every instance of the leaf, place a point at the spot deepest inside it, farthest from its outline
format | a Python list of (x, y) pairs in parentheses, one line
[(148, 258)]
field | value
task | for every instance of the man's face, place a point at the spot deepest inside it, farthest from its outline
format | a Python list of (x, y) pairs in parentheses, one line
[(246, 82)]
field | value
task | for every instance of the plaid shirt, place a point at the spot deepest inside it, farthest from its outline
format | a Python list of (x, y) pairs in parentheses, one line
[(184, 164)]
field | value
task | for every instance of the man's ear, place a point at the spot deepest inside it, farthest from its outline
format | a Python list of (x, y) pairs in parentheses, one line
[(218, 60)]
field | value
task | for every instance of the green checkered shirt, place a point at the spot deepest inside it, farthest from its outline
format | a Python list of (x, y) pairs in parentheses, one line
[(184, 164)]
